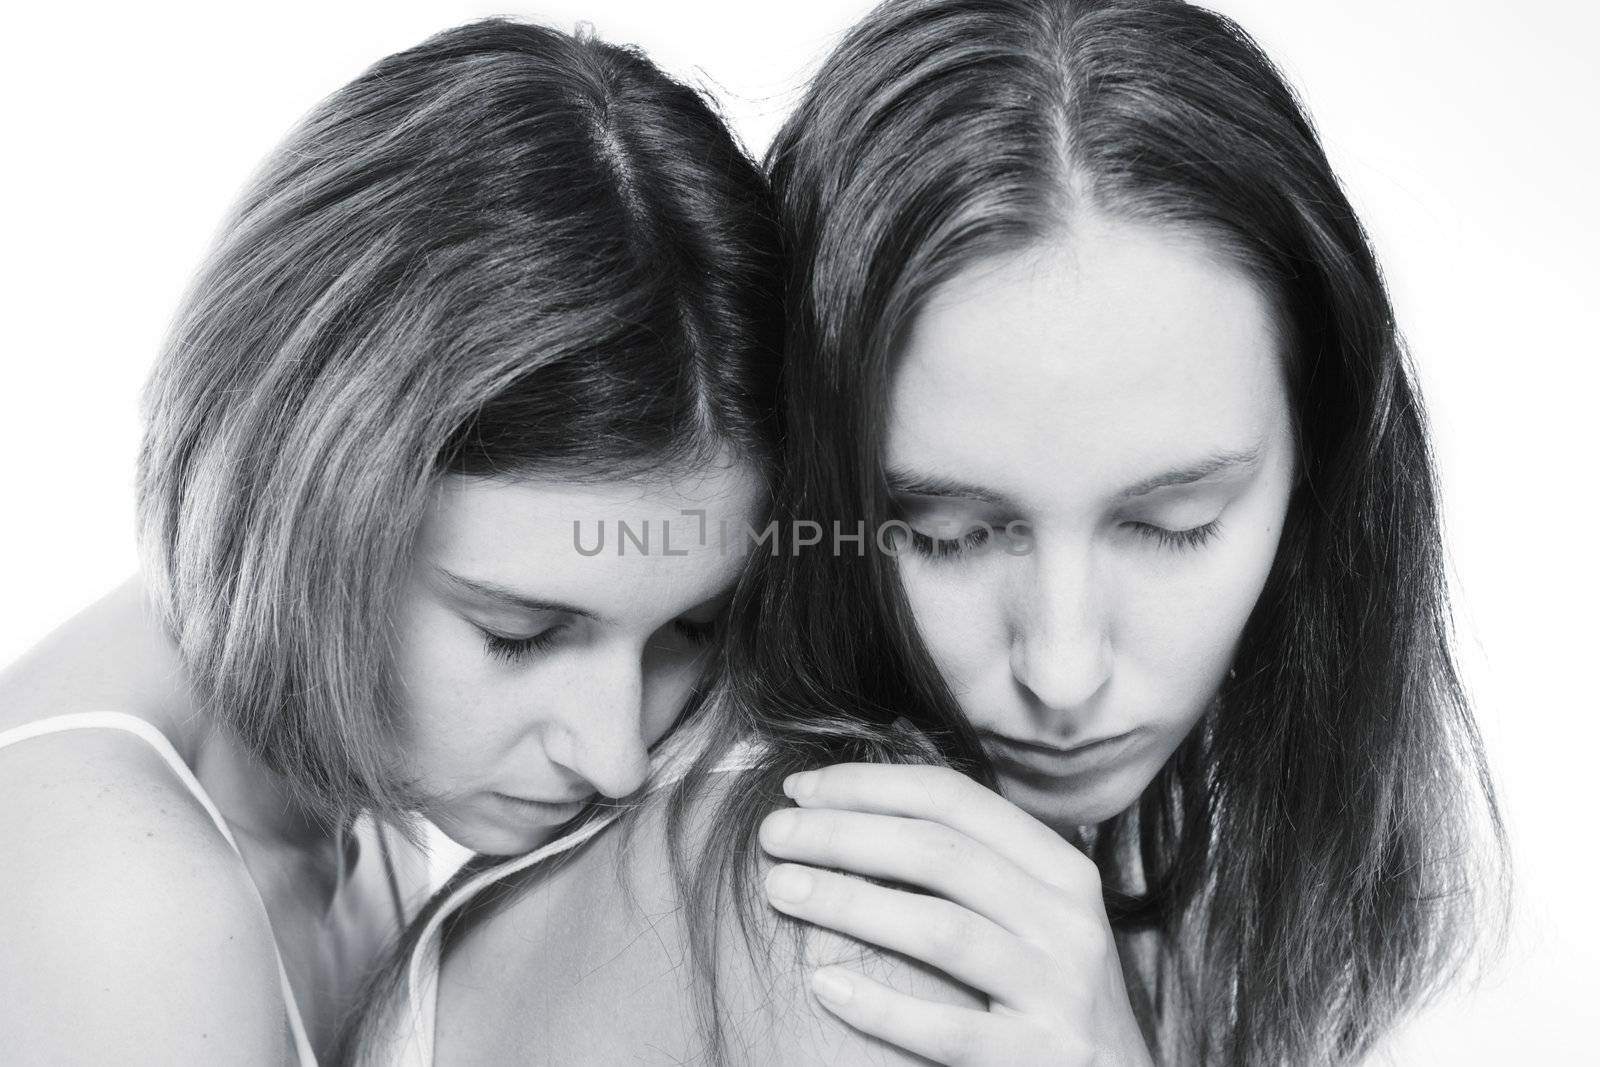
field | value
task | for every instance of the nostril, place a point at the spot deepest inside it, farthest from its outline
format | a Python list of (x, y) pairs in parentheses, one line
[(1061, 675), (622, 790), (626, 778)]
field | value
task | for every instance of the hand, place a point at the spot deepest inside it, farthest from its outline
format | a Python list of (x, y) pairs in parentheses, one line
[(1016, 915)]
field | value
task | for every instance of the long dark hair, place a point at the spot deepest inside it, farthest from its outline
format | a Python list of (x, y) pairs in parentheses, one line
[(505, 251), (1304, 863)]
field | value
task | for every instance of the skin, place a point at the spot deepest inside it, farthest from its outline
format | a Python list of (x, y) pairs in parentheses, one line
[(133, 885), (536, 673), (1118, 396), (586, 961)]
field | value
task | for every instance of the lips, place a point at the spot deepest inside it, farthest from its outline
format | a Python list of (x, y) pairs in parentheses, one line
[(549, 808), (557, 802), (1033, 759)]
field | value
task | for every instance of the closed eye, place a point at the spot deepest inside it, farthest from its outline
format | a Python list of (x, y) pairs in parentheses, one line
[(940, 548), (516, 649), (1178, 540), (698, 634)]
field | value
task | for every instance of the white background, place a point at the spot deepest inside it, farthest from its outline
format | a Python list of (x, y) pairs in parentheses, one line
[(1464, 131)]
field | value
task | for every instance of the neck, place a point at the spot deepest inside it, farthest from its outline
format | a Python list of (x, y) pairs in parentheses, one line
[(256, 801), (313, 855)]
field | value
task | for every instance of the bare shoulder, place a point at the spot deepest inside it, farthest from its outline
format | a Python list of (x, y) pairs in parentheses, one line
[(766, 1011), (132, 933), (591, 963), (577, 961)]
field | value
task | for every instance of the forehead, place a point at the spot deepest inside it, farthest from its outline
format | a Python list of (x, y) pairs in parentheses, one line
[(1117, 349), (526, 535)]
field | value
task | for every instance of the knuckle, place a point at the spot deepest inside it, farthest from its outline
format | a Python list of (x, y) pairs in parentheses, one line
[(1049, 1044), (1042, 968), (1080, 877), (957, 1044), (939, 787), (824, 897), (937, 848), (841, 897), (951, 930), (946, 777), (1086, 935), (821, 830), (1075, 1050), (1075, 941)]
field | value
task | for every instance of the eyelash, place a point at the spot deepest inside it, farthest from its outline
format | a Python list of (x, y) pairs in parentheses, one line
[(942, 549), (1175, 540), (1179, 540), (699, 634), (516, 649)]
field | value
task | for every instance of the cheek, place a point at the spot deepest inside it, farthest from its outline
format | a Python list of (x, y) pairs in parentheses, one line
[(448, 704), (959, 619), (1183, 621), (668, 686)]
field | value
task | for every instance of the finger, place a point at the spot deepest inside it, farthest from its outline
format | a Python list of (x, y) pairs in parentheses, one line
[(946, 796), (961, 943), (944, 1033), (920, 853)]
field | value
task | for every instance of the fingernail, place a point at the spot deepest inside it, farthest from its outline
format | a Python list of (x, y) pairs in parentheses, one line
[(789, 883), (831, 986), (777, 827), (800, 785)]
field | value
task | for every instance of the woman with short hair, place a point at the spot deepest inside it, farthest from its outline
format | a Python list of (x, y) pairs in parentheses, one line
[(504, 282)]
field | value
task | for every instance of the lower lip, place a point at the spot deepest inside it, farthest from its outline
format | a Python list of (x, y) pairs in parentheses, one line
[(542, 809), (1041, 762)]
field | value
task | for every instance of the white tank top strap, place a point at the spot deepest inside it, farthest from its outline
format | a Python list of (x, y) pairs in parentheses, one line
[(414, 1045), (132, 724), (422, 973)]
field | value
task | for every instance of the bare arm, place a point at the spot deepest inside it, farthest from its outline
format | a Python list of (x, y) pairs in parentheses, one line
[(129, 930)]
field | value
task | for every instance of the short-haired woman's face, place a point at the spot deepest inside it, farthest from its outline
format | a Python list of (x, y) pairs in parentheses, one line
[(536, 672), (1119, 397)]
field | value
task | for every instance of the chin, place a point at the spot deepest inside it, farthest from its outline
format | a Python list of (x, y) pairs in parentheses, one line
[(1064, 807), (492, 838)]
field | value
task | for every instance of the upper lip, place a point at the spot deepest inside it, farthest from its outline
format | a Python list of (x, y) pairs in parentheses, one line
[(1053, 747)]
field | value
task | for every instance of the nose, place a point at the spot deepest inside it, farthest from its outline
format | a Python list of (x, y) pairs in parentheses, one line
[(600, 739), (1061, 639)]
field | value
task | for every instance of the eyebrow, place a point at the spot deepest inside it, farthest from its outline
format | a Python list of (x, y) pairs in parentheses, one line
[(507, 597), (904, 481), (1217, 463)]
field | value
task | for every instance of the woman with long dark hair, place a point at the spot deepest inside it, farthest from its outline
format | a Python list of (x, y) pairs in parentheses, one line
[(1276, 773), (504, 281), (1105, 485)]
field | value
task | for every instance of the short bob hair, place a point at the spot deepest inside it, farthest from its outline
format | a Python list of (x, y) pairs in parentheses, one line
[(506, 250), (1304, 869)]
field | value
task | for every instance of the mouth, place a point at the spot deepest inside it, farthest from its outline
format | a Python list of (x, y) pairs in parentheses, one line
[(552, 810), (1016, 757)]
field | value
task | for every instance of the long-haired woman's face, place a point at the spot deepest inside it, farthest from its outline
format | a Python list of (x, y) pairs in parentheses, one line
[(536, 671), (1117, 399)]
